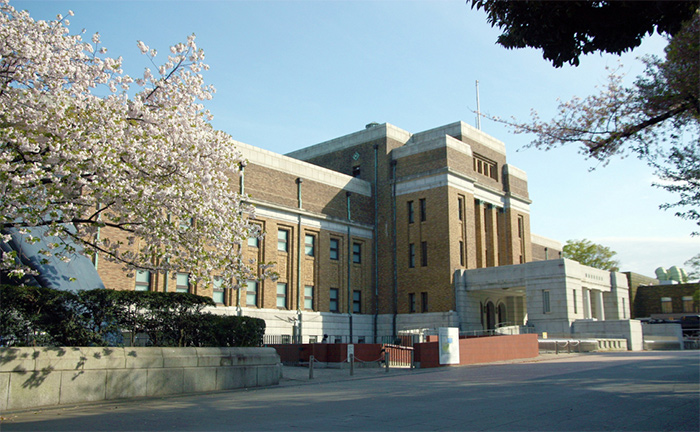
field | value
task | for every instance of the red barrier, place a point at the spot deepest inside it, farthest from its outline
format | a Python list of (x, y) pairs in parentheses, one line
[(481, 350), (327, 353)]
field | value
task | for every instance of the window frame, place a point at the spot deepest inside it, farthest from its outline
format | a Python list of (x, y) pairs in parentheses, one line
[(283, 241), (411, 255), (254, 292), (310, 246), (424, 254), (423, 210), (178, 288), (410, 212), (356, 253), (283, 296), (309, 298), (218, 290), (546, 302), (411, 302), (148, 284), (357, 301), (334, 300), (335, 249)]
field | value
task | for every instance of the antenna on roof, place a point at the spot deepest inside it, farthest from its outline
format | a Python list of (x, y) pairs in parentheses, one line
[(478, 107)]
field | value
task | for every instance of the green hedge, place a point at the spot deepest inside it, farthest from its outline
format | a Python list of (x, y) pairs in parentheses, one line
[(33, 316)]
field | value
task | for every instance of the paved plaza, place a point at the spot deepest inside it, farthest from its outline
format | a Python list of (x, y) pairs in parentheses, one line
[(637, 391)]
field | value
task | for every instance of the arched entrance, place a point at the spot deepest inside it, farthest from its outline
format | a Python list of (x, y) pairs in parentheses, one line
[(502, 318), (490, 316)]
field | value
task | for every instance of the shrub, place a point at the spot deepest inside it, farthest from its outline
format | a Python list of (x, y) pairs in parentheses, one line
[(32, 316)]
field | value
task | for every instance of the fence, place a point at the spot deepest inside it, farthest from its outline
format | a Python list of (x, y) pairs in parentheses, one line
[(399, 356)]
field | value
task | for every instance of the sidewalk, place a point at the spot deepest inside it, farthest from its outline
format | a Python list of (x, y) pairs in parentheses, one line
[(299, 375)]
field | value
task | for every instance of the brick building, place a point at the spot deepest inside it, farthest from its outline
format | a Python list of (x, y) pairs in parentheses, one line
[(370, 230)]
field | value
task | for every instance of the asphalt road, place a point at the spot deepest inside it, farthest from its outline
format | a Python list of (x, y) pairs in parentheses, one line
[(639, 391)]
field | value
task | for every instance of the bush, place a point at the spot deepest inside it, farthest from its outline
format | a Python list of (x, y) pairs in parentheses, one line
[(32, 316)]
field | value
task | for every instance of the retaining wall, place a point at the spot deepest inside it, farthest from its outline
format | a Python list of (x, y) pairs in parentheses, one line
[(34, 377)]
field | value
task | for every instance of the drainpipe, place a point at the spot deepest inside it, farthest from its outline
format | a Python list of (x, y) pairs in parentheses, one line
[(299, 258), (242, 177), (165, 273), (239, 309), (347, 195), (393, 235), (376, 242)]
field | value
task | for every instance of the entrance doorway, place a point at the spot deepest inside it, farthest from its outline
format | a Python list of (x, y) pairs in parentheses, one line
[(490, 316)]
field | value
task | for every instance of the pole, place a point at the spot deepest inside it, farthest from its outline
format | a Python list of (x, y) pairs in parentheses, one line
[(299, 258), (349, 260), (478, 107)]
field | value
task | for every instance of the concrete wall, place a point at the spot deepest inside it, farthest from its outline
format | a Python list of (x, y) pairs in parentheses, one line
[(35, 377), (662, 336), (626, 329)]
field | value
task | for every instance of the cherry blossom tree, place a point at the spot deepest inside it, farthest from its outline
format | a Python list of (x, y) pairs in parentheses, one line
[(129, 168)]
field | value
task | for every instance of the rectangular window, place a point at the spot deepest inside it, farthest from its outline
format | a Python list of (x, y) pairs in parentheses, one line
[(182, 282), (424, 302), (335, 249), (334, 307), (409, 209), (666, 305), (575, 303), (310, 245), (309, 297), (218, 295), (423, 210), (357, 301), (282, 295), (461, 253), (254, 242), (545, 301), (424, 254), (411, 255), (687, 304), (143, 280), (186, 223), (521, 227), (356, 171), (411, 302), (460, 208), (357, 253), (283, 240), (251, 295)]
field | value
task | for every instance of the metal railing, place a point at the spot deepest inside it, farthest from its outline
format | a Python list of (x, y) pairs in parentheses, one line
[(398, 355)]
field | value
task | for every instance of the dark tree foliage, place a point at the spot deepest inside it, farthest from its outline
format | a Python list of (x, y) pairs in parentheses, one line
[(565, 30), (34, 316)]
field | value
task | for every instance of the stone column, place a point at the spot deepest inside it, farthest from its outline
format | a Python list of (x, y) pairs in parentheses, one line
[(586, 297), (599, 305)]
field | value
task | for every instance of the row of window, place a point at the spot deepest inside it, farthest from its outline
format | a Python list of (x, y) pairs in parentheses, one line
[(423, 254), (182, 284), (667, 304), (486, 167), (310, 246), (411, 211), (423, 302)]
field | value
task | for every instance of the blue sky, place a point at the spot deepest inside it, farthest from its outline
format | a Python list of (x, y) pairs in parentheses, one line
[(290, 74)]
